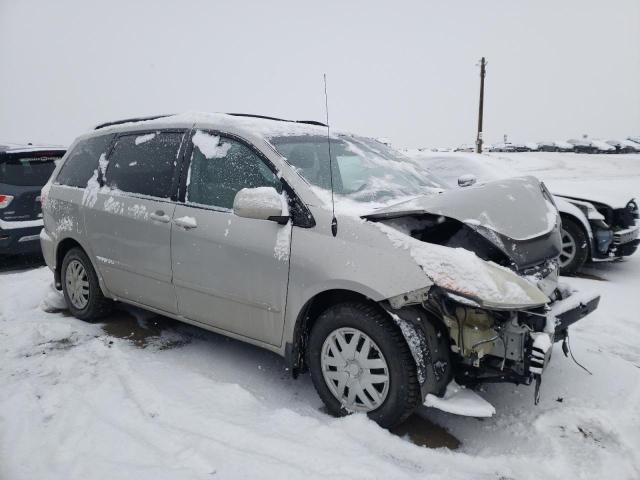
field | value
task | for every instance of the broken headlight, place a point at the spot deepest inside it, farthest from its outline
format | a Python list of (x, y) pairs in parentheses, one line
[(587, 209), (508, 292)]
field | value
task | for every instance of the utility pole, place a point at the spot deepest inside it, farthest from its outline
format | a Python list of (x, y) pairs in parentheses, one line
[(483, 72)]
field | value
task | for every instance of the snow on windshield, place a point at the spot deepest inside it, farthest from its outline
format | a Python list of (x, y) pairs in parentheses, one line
[(366, 174)]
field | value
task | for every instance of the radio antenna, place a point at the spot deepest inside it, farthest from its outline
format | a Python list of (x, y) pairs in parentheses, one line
[(334, 221)]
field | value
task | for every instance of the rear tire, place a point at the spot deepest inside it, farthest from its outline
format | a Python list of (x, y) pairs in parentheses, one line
[(575, 247), (374, 348), (81, 287)]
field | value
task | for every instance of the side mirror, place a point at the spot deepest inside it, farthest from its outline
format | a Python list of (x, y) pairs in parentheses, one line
[(261, 203), (466, 180)]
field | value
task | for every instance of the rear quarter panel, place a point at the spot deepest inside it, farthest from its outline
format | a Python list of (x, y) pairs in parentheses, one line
[(63, 214)]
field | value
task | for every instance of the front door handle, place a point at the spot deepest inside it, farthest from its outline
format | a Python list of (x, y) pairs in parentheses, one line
[(186, 222), (160, 216)]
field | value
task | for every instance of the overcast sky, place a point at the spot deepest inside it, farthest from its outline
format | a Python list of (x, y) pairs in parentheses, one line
[(402, 70)]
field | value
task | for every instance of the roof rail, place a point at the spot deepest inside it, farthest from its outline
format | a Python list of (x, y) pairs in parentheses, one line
[(312, 122), (154, 117), (264, 117), (129, 120)]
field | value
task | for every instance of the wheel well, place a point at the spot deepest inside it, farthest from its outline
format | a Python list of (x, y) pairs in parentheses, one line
[(64, 246), (295, 353)]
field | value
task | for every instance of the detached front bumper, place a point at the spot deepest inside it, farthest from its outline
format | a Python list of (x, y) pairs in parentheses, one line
[(562, 315), (625, 242)]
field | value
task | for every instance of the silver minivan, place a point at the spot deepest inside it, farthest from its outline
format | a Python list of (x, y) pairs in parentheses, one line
[(335, 251)]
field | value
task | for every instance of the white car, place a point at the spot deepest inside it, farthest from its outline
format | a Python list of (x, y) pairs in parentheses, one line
[(593, 228)]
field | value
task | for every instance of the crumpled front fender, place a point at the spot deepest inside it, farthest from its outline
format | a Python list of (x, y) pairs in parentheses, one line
[(427, 339)]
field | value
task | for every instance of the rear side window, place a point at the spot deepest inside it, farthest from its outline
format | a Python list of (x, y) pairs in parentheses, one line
[(82, 161), (26, 171), (221, 167), (144, 163)]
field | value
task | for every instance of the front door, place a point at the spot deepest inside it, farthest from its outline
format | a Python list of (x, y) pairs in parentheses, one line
[(129, 221), (229, 272)]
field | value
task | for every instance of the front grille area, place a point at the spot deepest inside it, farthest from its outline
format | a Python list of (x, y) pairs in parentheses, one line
[(625, 236)]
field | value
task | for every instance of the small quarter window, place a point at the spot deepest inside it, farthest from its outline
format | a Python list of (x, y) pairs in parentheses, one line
[(82, 161)]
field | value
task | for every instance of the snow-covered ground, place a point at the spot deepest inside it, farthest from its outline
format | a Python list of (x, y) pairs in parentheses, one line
[(145, 397)]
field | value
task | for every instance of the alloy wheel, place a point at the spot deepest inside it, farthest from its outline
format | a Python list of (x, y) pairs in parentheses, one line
[(569, 248)]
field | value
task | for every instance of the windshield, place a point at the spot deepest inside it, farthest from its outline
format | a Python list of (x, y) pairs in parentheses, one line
[(451, 167), (364, 170), (26, 171)]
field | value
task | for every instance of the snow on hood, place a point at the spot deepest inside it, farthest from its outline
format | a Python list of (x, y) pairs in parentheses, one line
[(608, 193), (514, 207), (463, 272)]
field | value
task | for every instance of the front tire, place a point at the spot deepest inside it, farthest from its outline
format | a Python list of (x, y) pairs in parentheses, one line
[(81, 287), (360, 362), (575, 247)]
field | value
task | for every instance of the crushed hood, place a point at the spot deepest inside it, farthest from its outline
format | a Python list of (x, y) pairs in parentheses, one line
[(515, 208)]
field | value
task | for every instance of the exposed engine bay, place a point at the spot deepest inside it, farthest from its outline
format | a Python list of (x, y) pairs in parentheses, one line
[(472, 345)]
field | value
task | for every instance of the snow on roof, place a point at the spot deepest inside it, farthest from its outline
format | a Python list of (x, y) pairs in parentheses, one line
[(266, 128), (562, 144), (601, 145)]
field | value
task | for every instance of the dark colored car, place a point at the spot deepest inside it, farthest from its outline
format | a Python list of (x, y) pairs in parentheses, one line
[(23, 172)]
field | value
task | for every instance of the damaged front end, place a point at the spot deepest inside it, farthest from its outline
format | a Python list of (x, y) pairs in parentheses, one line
[(492, 315), (452, 338)]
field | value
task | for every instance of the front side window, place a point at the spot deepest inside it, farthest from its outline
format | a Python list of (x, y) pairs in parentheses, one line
[(221, 167), (82, 161), (144, 163)]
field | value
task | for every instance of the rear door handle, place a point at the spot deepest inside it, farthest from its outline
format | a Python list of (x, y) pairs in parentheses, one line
[(186, 222), (160, 216)]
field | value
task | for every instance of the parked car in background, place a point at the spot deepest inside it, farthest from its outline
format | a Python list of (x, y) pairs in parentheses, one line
[(585, 145), (465, 148), (562, 146), (624, 146), (592, 228), (512, 147), (582, 145), (24, 169), (602, 146), (555, 146), (502, 147), (547, 147), (226, 222)]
